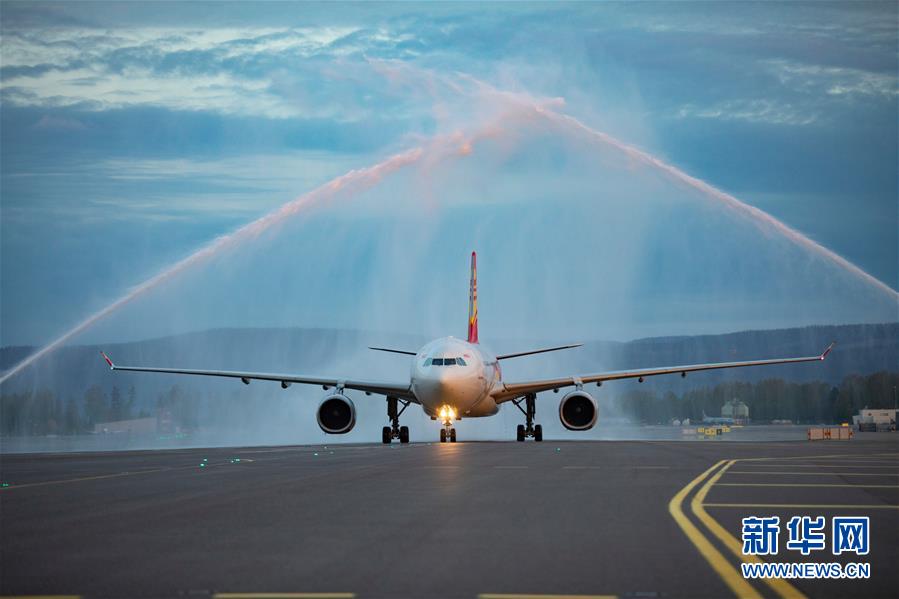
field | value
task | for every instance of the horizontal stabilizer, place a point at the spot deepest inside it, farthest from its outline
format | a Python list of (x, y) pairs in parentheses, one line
[(393, 351), (537, 351)]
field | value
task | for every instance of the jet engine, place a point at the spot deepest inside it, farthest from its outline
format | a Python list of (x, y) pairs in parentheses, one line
[(336, 414), (578, 411)]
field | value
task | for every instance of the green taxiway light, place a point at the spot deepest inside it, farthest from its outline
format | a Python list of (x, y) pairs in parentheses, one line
[(5, 485), (558, 449), (202, 465), (315, 453)]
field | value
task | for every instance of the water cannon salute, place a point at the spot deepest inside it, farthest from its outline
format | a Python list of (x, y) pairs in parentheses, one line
[(235, 246)]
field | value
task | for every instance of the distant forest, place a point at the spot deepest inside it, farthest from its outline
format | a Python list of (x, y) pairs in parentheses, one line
[(43, 413), (769, 399)]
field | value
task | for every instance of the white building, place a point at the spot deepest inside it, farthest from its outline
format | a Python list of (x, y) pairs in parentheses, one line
[(876, 419)]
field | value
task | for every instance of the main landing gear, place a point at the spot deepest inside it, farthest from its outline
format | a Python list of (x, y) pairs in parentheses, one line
[(529, 429), (395, 431)]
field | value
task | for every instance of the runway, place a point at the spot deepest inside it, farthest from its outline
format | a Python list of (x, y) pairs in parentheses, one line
[(616, 518)]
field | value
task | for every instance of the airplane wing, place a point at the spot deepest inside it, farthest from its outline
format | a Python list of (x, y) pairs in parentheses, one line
[(403, 391), (510, 391)]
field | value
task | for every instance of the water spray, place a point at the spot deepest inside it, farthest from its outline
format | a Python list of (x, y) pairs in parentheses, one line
[(354, 180), (443, 147), (439, 147), (758, 216)]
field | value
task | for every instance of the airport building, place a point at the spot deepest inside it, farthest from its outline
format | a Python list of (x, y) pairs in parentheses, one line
[(875, 420), (736, 410)]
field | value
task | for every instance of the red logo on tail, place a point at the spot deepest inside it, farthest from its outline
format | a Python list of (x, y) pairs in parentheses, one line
[(473, 301)]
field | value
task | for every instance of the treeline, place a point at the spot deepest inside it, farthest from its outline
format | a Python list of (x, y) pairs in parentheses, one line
[(43, 413), (770, 399)]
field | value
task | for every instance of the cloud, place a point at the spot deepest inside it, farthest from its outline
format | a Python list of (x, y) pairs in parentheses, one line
[(751, 111), (834, 81), (264, 71), (60, 123)]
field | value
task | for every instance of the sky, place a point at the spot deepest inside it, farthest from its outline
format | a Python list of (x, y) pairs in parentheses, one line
[(134, 134)]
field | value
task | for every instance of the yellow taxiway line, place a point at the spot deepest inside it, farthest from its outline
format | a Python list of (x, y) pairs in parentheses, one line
[(712, 476), (733, 579), (778, 585)]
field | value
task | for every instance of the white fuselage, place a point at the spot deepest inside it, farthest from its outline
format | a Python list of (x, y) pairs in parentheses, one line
[(465, 387)]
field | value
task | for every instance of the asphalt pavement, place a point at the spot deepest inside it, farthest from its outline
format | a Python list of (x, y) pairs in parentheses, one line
[(608, 518)]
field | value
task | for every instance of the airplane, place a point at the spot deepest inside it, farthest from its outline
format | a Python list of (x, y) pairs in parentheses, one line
[(453, 379)]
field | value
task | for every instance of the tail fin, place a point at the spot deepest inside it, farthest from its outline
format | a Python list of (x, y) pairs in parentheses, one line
[(473, 301)]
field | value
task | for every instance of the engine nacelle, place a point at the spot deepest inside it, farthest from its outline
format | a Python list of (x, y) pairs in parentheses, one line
[(578, 411), (336, 414)]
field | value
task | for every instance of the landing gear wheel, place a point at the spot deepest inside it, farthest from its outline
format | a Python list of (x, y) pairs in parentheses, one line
[(443, 435), (529, 429), (395, 431), (452, 435)]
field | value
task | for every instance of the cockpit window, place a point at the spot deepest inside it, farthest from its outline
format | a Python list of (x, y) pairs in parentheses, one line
[(445, 362)]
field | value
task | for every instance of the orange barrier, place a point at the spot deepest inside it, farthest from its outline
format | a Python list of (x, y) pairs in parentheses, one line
[(841, 433)]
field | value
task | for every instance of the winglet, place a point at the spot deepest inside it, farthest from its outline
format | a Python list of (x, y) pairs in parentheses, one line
[(108, 361), (827, 351)]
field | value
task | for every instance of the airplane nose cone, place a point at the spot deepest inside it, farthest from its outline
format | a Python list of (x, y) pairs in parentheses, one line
[(438, 387)]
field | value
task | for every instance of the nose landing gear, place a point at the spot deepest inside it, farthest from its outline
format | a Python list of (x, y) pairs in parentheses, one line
[(395, 431), (529, 429), (447, 414), (447, 433)]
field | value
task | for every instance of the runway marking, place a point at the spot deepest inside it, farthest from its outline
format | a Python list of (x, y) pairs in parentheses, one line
[(698, 505), (84, 478), (821, 457), (888, 461), (860, 486), (852, 464), (512, 467), (532, 596), (284, 596), (778, 585), (615, 467), (735, 582), (66, 481), (40, 596), (813, 473), (823, 506)]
